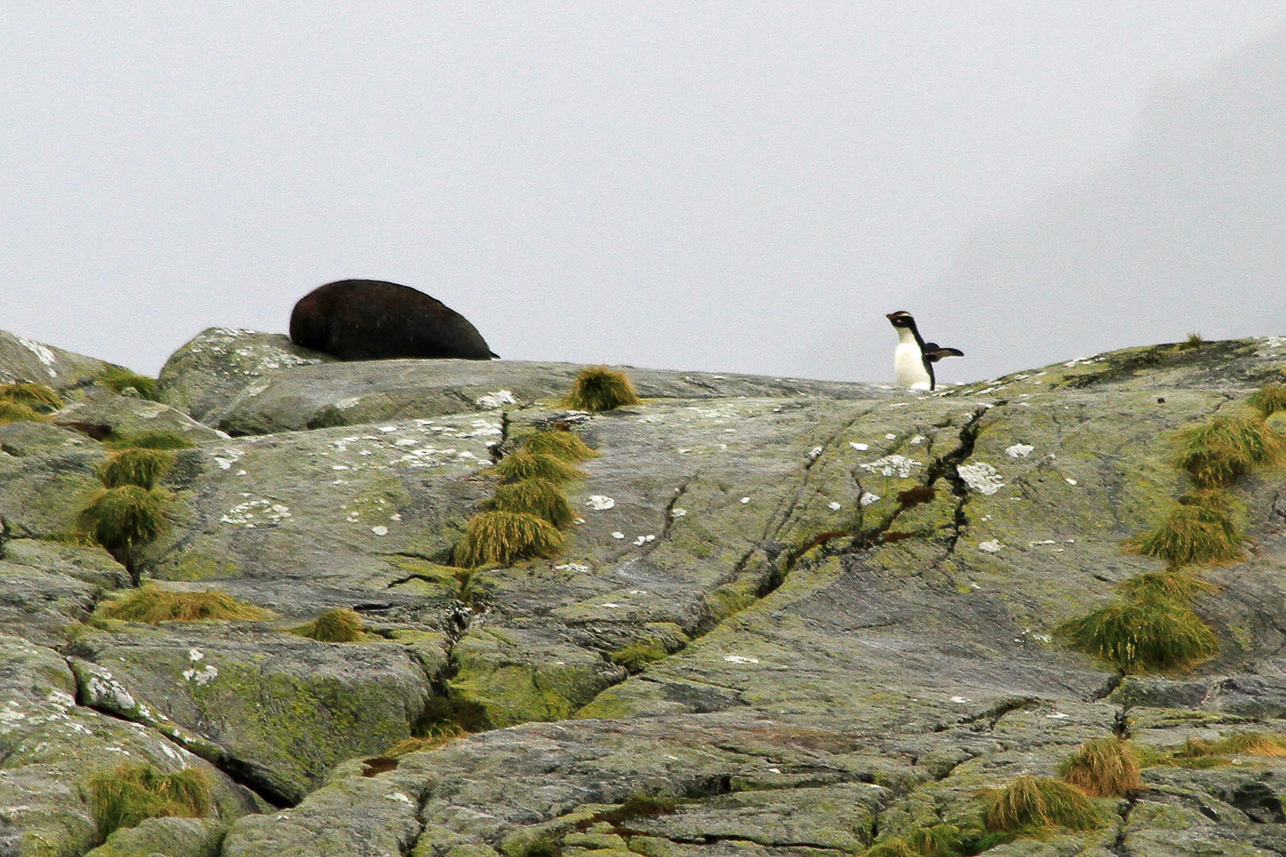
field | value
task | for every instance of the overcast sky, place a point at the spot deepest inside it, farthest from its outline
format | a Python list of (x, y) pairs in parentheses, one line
[(737, 186)]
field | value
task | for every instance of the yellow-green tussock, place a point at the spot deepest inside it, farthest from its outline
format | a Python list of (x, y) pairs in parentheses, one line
[(1269, 399), (131, 793), (560, 443), (35, 396), (17, 412), (598, 388), (1029, 804), (1139, 636), (504, 537), (1103, 768), (153, 605), (1180, 586), (1239, 744), (118, 518), (340, 625), (1201, 527), (538, 497), (1216, 453), (523, 465), (150, 440), (120, 379), (141, 467)]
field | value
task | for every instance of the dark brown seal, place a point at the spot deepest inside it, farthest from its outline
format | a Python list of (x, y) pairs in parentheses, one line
[(376, 320)]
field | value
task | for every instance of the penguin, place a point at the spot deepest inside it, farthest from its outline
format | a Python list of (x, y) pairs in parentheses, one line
[(913, 358)]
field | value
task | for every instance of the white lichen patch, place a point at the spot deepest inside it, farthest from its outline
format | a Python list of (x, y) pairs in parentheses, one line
[(483, 428), (868, 498), (380, 530), (618, 535), (740, 659), (833, 506), (225, 458), (676, 512), (642, 540), (1019, 450), (891, 465), (860, 447), (203, 676), (917, 440), (1070, 481), (256, 513), (573, 567), (42, 352), (600, 503), (106, 691), (491, 401), (990, 546), (981, 477)]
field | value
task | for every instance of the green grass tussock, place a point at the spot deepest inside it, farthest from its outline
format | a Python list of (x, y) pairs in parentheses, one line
[(1217, 452), (38, 397), (521, 465), (504, 537), (1030, 804), (538, 497), (1171, 584), (120, 518), (130, 794), (939, 840), (560, 443), (1139, 636), (1269, 399), (119, 379), (17, 412), (598, 388), (141, 467), (1240, 744), (341, 625), (1200, 528), (150, 440), (154, 605), (1103, 768)]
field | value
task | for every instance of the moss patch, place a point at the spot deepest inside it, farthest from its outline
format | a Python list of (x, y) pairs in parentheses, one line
[(119, 379), (598, 388), (150, 440), (153, 605), (129, 794)]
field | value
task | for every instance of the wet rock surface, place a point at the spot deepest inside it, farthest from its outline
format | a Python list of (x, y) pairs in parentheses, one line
[(845, 596)]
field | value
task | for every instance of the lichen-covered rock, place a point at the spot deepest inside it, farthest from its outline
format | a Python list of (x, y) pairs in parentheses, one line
[(219, 362), (168, 836), (23, 359), (101, 411), (794, 617)]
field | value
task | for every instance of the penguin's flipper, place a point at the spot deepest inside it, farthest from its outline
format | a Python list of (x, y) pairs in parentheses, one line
[(934, 352)]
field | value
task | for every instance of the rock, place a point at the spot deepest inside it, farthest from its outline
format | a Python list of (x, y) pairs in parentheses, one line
[(378, 320), (170, 837), (23, 359), (219, 362), (125, 415), (795, 615)]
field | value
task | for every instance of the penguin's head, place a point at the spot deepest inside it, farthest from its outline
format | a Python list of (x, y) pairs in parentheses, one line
[(900, 319)]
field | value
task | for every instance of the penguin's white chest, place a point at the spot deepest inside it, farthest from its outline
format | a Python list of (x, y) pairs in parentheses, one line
[(908, 366)]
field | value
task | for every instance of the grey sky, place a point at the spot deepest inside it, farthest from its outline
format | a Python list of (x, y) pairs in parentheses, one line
[(726, 186)]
